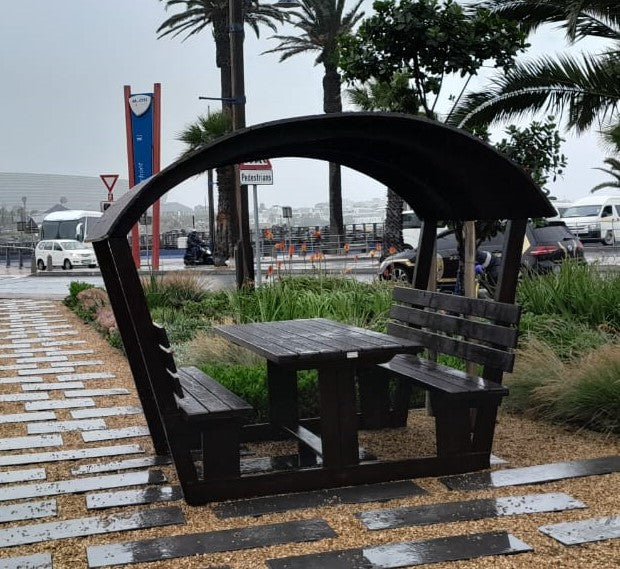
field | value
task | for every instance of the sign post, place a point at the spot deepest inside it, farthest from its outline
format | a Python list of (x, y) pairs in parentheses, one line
[(143, 125), (255, 173)]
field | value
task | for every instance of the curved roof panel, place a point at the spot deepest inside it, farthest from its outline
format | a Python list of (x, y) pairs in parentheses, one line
[(442, 172)]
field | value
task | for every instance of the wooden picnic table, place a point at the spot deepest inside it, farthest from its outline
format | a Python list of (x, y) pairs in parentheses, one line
[(337, 351)]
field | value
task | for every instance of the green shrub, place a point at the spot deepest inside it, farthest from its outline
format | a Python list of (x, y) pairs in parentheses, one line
[(179, 327), (250, 383), (584, 392), (577, 292), (173, 290), (569, 338), (75, 287)]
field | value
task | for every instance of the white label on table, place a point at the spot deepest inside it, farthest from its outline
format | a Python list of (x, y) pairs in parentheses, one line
[(351, 355)]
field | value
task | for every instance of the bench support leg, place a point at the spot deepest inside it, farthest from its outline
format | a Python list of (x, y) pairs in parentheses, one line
[(220, 449), (484, 427), (374, 392), (452, 427)]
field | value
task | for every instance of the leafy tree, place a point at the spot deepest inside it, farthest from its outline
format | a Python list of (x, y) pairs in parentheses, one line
[(586, 86), (427, 40), (195, 17), (537, 149), (613, 170), (322, 23), (206, 129)]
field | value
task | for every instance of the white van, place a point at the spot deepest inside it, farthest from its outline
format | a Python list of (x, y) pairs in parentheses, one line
[(411, 229), (595, 218)]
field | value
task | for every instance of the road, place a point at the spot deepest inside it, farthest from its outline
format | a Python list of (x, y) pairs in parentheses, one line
[(21, 283)]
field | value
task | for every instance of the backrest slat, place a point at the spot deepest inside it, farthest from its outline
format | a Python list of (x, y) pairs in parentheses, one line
[(451, 324), (443, 344), (496, 311)]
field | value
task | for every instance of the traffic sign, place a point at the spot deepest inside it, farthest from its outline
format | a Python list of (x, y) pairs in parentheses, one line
[(109, 180), (258, 172)]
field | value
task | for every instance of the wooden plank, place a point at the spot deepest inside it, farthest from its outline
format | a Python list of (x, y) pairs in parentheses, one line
[(307, 437), (468, 351), (200, 385), (499, 311), (451, 324)]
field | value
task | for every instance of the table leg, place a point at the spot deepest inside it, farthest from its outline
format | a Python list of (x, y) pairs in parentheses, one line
[(282, 394), (338, 416)]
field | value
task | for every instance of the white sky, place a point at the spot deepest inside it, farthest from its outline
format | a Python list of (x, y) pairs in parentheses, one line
[(64, 64)]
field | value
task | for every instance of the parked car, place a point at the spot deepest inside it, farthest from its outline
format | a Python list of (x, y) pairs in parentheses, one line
[(65, 253), (544, 249)]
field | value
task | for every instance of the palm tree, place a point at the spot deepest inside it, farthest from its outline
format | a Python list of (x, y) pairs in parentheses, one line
[(203, 131), (321, 23), (197, 15), (613, 170), (587, 86)]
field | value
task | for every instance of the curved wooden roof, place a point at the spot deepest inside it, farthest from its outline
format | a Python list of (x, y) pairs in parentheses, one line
[(442, 172)]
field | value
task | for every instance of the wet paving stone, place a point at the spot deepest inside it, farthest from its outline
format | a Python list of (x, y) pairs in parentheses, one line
[(81, 363), (85, 376), (135, 497), (533, 474), (106, 412), (584, 531), (20, 379), (81, 485), (56, 343), (468, 510), (58, 403), (21, 443), (143, 462), (409, 554), (45, 370), (9, 397), (26, 417), (35, 561), (11, 476), (67, 352), (156, 517), (113, 434), (212, 542), (64, 426), (28, 511), (97, 392), (14, 367), (76, 454), (42, 359), (315, 499), (53, 386)]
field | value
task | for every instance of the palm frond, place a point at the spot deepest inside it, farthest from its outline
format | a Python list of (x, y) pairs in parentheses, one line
[(585, 90)]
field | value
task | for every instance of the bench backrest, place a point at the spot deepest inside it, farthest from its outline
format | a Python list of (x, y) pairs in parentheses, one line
[(477, 330), (167, 359)]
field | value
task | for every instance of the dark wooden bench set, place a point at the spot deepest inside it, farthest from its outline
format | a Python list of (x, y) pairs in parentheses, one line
[(205, 421), (194, 419)]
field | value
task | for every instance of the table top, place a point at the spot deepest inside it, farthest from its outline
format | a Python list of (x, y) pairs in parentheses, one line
[(316, 341)]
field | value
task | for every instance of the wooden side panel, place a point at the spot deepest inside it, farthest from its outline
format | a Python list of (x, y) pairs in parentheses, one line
[(426, 253)]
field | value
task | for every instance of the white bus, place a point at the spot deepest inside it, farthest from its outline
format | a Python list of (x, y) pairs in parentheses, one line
[(68, 224)]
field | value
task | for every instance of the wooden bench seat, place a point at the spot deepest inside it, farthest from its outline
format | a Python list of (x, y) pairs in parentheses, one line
[(464, 404), (199, 404)]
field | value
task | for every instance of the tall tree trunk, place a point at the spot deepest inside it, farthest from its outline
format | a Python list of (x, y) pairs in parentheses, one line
[(332, 103), (393, 228), (227, 231)]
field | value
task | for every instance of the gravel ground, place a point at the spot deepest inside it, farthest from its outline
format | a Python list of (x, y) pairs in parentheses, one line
[(520, 441)]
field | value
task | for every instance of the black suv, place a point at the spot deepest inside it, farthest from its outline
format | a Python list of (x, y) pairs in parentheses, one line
[(544, 248)]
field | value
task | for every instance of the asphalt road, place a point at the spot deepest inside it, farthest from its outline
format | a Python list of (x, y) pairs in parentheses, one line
[(21, 283)]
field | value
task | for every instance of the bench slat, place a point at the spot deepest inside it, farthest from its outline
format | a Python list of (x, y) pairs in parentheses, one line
[(204, 395), (498, 311), (478, 330), (442, 378), (472, 352)]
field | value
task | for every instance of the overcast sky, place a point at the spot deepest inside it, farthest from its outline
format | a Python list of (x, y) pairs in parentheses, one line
[(64, 64)]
